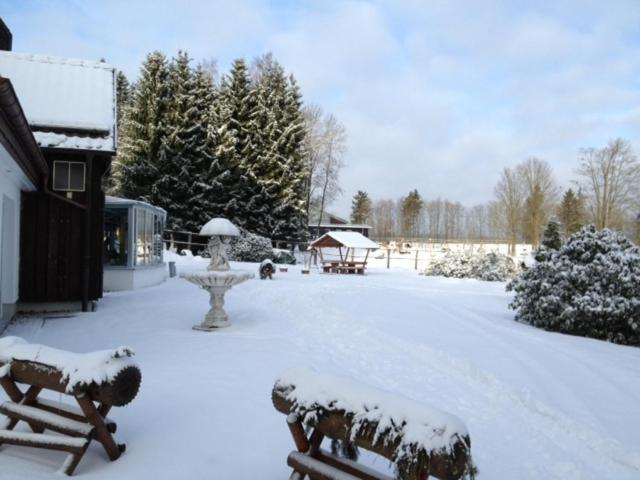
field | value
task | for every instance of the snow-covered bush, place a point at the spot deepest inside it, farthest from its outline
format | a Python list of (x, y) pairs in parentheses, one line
[(493, 267), (283, 257), (589, 287), (249, 247)]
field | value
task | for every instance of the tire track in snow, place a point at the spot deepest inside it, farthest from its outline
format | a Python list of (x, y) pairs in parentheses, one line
[(356, 342)]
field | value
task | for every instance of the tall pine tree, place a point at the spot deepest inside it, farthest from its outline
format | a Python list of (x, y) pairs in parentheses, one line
[(360, 208), (142, 130), (184, 154)]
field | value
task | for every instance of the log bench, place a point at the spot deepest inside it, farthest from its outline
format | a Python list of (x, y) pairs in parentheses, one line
[(419, 440), (97, 381)]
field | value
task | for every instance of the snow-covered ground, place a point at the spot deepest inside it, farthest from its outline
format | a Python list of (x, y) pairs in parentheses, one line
[(538, 405)]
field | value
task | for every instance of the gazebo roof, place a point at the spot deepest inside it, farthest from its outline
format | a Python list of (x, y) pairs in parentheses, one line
[(345, 239)]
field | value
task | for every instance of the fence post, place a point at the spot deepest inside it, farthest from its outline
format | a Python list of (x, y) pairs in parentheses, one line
[(189, 242), (172, 246), (388, 257), (416, 264)]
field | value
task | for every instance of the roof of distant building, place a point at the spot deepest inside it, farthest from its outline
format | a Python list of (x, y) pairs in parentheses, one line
[(69, 103)]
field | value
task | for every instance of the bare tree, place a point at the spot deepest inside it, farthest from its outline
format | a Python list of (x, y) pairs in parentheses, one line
[(384, 218), (541, 195), (610, 177), (332, 149), (509, 195), (312, 151)]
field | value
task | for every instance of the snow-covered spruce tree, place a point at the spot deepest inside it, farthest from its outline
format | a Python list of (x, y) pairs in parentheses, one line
[(551, 240), (184, 154), (248, 205), (551, 237), (589, 287), (277, 133), (142, 129)]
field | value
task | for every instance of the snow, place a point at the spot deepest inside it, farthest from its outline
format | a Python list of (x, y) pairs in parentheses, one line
[(536, 404), (77, 368), (48, 418), (219, 226), (417, 425), (349, 240), (59, 140), (61, 93)]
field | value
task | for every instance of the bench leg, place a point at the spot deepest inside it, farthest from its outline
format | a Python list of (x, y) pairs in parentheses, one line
[(102, 433)]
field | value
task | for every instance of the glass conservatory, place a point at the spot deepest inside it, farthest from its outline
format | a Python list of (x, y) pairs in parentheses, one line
[(133, 247)]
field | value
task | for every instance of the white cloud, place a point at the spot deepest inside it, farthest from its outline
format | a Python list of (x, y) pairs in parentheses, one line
[(437, 95)]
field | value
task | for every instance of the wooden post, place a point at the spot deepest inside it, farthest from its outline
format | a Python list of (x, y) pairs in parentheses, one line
[(415, 267), (388, 257), (189, 242)]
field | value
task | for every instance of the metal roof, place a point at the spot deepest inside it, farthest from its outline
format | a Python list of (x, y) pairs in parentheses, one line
[(68, 103)]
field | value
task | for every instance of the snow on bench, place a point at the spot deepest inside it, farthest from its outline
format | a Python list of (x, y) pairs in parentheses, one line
[(109, 377), (419, 439), (77, 368)]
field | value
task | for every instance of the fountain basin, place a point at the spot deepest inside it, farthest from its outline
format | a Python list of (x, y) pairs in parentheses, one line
[(216, 283)]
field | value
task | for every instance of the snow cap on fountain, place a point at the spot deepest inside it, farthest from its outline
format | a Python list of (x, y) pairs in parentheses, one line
[(219, 226)]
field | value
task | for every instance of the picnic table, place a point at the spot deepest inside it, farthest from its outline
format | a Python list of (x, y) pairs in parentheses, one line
[(344, 267)]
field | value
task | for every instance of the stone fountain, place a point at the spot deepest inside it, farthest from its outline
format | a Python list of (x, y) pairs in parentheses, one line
[(219, 277)]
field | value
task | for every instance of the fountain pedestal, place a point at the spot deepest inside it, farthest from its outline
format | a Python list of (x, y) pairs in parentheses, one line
[(219, 277), (217, 284)]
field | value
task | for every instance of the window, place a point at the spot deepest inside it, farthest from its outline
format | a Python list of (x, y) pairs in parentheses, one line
[(116, 230), (149, 231), (68, 176)]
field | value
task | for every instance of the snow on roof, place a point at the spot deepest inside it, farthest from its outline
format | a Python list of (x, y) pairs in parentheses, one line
[(347, 239), (110, 201), (339, 225), (59, 93)]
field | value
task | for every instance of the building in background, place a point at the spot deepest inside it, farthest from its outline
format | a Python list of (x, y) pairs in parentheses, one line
[(333, 223)]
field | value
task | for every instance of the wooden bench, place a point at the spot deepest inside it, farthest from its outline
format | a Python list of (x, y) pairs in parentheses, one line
[(76, 426), (373, 420)]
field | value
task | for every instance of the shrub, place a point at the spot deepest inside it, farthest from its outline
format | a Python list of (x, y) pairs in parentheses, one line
[(494, 267), (249, 247), (589, 287)]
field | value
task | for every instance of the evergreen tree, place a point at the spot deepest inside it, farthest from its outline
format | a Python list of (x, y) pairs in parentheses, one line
[(360, 208), (123, 96), (551, 241), (410, 210), (142, 130), (277, 160), (551, 237), (590, 286), (571, 212), (184, 155)]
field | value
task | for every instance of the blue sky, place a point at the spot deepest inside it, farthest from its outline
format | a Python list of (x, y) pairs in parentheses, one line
[(435, 95)]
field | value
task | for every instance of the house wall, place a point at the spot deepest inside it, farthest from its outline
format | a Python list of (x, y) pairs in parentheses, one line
[(53, 238), (12, 182)]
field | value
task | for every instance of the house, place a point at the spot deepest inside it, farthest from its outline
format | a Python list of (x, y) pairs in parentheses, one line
[(22, 169), (331, 222), (67, 108)]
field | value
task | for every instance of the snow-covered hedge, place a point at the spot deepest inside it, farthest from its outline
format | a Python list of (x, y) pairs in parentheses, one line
[(249, 247), (589, 287), (493, 267)]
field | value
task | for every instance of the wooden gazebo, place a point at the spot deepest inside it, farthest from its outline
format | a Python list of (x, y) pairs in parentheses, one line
[(346, 243)]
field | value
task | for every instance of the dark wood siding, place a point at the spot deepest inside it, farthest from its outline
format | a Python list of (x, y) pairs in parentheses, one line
[(52, 239)]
